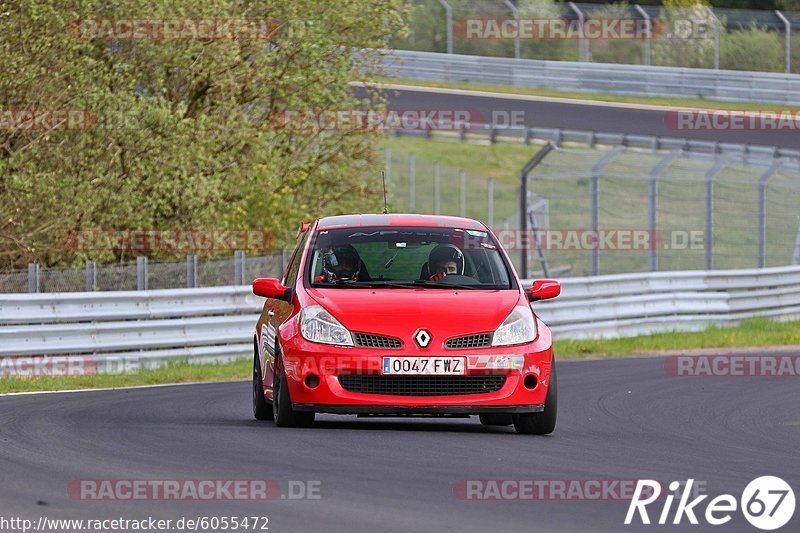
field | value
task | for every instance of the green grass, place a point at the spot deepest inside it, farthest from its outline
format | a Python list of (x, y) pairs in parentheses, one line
[(500, 161), (179, 372), (750, 334), (753, 333), (699, 103)]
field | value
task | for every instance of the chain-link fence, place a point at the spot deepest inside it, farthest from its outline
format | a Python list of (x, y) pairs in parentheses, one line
[(606, 210), (735, 39), (417, 185), (142, 275), (666, 211)]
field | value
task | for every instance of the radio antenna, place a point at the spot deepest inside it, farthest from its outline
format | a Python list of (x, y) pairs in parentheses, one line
[(385, 203)]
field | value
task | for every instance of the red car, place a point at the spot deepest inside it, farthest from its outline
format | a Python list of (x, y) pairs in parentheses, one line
[(403, 315)]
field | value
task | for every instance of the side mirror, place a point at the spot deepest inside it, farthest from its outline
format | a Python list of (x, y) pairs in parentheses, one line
[(543, 289), (270, 288)]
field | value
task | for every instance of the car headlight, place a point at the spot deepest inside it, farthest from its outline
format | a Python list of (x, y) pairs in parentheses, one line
[(519, 327), (318, 325)]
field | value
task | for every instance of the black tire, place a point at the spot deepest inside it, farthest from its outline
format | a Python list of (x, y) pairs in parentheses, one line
[(496, 419), (545, 422), (282, 411), (262, 409)]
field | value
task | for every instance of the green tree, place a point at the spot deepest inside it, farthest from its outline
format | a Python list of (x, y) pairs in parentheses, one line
[(188, 132)]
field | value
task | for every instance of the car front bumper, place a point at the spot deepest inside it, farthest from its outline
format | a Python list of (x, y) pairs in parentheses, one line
[(326, 394)]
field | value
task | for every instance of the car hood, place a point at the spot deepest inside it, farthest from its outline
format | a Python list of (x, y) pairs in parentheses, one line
[(400, 313)]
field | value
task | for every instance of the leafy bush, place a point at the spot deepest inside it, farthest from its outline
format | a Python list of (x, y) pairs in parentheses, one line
[(753, 48)]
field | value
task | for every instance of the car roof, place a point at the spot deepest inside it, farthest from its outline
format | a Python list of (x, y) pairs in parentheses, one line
[(398, 219)]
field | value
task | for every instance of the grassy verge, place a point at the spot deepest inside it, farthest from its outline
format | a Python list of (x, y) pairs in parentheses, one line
[(699, 103), (750, 334), (753, 333), (175, 373)]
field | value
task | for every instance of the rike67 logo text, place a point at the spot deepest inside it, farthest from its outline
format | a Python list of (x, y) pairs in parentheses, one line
[(767, 502)]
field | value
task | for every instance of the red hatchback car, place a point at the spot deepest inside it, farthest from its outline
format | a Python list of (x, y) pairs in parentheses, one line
[(403, 315)]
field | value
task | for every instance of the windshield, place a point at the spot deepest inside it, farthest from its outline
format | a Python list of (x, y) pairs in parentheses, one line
[(399, 257)]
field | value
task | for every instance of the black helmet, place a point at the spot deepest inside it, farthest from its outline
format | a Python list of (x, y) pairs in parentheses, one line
[(443, 254), (341, 263)]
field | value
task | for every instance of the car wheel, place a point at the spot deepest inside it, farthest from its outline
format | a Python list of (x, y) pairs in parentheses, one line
[(496, 419), (282, 411), (545, 422), (262, 410)]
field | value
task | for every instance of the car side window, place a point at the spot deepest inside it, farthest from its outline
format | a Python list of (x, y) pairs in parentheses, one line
[(290, 278)]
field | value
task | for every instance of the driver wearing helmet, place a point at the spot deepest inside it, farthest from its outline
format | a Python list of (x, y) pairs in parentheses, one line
[(340, 263), (445, 259)]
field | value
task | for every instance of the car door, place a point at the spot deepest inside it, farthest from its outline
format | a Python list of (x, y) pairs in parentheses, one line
[(278, 311)]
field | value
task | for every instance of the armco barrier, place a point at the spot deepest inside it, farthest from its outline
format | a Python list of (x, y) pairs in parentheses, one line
[(217, 324), (640, 80), (634, 304)]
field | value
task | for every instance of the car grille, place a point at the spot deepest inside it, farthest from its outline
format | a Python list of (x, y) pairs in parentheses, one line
[(422, 385), (376, 341), (470, 341)]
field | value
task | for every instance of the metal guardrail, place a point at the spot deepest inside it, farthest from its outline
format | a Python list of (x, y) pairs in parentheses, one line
[(636, 304), (752, 153), (151, 328), (639, 80), (132, 328)]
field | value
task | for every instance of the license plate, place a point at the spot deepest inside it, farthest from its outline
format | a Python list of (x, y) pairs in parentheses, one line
[(426, 366)]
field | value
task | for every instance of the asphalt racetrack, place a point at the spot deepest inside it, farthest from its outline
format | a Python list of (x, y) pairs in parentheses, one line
[(619, 419), (596, 116)]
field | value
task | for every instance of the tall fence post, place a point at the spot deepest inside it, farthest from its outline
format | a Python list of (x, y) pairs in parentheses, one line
[(708, 237), (762, 211), (648, 36), (796, 253), (523, 203), (449, 13), (388, 171), (91, 276), (655, 173), (594, 191), (34, 282), (238, 267), (490, 203), (716, 37), (141, 273), (515, 11), (412, 193), (583, 45), (437, 188), (462, 178), (191, 271), (788, 26)]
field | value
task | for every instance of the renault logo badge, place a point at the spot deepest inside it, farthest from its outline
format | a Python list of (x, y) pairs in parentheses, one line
[(423, 338)]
